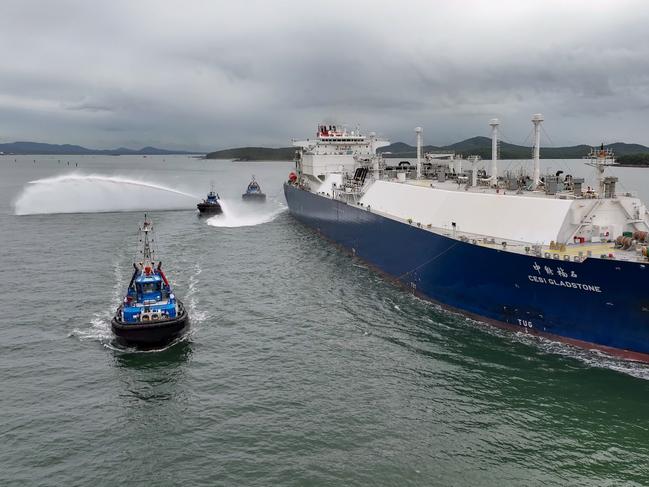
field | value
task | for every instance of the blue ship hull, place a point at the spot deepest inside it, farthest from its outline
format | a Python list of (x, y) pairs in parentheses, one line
[(596, 303)]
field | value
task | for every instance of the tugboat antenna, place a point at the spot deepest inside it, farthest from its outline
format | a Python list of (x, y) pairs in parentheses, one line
[(147, 253)]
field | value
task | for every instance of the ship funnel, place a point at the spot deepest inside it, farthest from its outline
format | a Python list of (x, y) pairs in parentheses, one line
[(537, 118), (418, 131), (494, 123)]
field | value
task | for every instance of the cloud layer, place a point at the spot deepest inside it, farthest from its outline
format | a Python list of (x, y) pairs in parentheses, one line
[(212, 74)]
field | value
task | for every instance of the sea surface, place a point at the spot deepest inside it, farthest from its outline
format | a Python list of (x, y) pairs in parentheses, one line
[(302, 367)]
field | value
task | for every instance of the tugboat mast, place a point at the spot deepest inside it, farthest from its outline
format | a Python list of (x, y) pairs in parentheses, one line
[(147, 251)]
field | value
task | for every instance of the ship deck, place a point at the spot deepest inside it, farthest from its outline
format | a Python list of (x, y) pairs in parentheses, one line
[(453, 185), (573, 251), (576, 252)]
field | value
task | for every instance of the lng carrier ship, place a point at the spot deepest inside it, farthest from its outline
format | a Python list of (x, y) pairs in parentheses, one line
[(541, 253)]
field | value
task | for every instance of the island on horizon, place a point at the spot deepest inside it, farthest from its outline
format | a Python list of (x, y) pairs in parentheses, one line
[(627, 155), (41, 148)]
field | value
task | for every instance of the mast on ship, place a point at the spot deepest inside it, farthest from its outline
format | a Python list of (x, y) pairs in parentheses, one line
[(494, 123), (418, 131), (147, 251), (537, 119), (600, 159)]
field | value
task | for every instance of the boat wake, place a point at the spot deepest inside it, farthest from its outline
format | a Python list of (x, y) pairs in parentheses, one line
[(99, 329), (117, 347), (196, 315), (240, 214), (87, 193), (589, 357), (594, 358)]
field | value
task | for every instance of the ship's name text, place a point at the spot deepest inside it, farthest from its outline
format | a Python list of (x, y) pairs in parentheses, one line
[(570, 284)]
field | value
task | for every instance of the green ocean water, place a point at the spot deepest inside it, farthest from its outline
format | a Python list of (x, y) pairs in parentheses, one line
[(302, 367)]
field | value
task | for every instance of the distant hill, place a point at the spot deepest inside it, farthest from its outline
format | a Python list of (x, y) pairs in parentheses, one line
[(481, 146), (39, 148), (622, 149), (254, 154), (403, 148), (639, 159)]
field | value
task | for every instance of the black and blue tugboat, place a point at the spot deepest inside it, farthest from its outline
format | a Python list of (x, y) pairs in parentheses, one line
[(211, 205), (253, 192), (150, 313)]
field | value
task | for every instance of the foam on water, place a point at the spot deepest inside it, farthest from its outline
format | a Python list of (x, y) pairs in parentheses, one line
[(196, 315), (593, 357), (113, 345), (241, 214), (88, 193), (589, 357), (99, 329)]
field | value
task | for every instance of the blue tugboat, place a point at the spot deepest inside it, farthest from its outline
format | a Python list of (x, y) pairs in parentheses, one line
[(253, 192), (150, 313), (210, 205)]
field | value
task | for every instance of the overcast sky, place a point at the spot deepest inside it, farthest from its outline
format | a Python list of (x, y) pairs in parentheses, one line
[(216, 74)]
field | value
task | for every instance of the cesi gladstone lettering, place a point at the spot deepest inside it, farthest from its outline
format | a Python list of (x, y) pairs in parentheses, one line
[(568, 284)]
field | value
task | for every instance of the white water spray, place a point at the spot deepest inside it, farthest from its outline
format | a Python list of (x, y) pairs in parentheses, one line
[(191, 299), (82, 193), (99, 329), (241, 214)]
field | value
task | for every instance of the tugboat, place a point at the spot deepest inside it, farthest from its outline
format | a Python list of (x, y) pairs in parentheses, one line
[(211, 205), (150, 313), (253, 192)]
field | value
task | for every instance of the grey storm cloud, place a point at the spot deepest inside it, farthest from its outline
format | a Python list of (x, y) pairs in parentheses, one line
[(215, 74)]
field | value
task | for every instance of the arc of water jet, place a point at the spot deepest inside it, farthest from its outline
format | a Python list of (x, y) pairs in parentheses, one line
[(112, 180)]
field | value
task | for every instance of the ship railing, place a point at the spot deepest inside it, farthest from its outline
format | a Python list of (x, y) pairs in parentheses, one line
[(485, 239), (348, 196), (453, 232), (325, 169), (351, 188), (445, 154)]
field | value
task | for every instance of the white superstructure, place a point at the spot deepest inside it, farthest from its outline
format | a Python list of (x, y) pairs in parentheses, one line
[(335, 150)]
